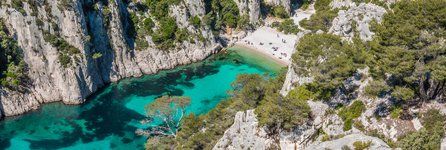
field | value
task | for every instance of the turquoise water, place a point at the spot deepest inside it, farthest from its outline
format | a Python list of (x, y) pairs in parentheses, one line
[(109, 118)]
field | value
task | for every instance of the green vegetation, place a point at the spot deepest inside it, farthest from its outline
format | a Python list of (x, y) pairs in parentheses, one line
[(251, 91), (160, 26), (430, 136), (18, 5), (97, 55), (395, 113), (169, 111), (304, 4), (67, 52), (278, 112), (406, 54), (351, 112), (408, 47), (280, 12), (222, 13), (323, 18), (339, 61), (12, 66), (377, 88), (359, 145), (287, 26), (195, 21)]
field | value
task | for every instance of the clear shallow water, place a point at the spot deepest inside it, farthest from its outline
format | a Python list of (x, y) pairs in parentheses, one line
[(109, 118)]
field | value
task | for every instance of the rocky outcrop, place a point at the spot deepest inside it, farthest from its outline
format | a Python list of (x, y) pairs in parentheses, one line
[(250, 8), (84, 25), (284, 3), (376, 143), (245, 134), (443, 143), (356, 20)]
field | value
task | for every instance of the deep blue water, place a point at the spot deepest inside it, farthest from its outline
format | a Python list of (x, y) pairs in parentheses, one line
[(109, 118)]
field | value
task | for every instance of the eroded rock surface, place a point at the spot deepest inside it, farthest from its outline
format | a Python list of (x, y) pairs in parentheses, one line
[(244, 134), (376, 143), (356, 20), (91, 31)]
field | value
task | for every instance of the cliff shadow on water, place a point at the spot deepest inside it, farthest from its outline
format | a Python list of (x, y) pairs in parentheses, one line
[(110, 117)]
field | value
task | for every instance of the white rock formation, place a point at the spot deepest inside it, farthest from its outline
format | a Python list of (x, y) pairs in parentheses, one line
[(356, 17), (244, 134), (85, 29), (376, 143), (250, 8), (443, 144)]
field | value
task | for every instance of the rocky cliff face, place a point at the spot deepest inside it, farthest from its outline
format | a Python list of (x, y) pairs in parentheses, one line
[(356, 20), (92, 28), (250, 8), (245, 134)]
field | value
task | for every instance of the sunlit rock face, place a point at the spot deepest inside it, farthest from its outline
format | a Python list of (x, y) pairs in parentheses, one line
[(83, 25)]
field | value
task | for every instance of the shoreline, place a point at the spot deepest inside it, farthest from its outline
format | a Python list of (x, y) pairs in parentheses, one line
[(280, 62)]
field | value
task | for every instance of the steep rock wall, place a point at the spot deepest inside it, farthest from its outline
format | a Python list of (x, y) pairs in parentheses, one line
[(250, 8), (84, 29)]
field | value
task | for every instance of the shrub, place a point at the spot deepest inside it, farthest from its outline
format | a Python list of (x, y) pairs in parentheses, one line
[(377, 88), (195, 21), (359, 145), (288, 27), (430, 136), (403, 93), (66, 51), (351, 112), (284, 113), (280, 12), (12, 65), (321, 20)]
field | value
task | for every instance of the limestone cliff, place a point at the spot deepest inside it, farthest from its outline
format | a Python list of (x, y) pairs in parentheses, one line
[(94, 28)]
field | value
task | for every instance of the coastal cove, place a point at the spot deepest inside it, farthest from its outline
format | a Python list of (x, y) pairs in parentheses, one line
[(110, 117)]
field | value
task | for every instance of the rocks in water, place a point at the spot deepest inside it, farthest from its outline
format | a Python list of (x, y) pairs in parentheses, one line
[(375, 143), (245, 134), (356, 19)]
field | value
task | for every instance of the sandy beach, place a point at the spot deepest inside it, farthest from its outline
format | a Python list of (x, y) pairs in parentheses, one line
[(275, 44), (268, 41)]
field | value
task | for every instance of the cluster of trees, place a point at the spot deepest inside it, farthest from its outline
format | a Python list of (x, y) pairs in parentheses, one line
[(430, 136), (167, 33), (12, 66), (166, 113), (406, 58), (287, 26), (250, 92), (329, 60), (407, 61), (322, 19), (222, 14), (351, 112), (280, 12)]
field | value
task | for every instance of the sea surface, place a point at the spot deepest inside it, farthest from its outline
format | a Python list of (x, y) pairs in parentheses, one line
[(109, 118)]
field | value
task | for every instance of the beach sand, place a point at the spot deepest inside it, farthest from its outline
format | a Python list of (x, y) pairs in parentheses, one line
[(275, 44), (268, 41)]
